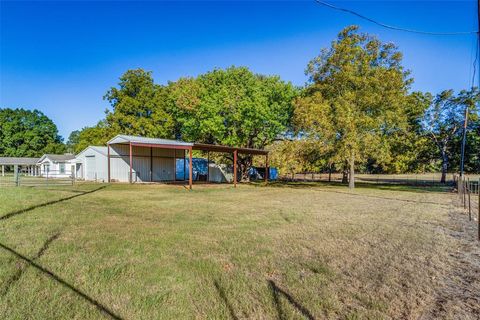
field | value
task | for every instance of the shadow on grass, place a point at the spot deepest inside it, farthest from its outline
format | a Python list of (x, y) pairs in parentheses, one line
[(222, 295), (14, 213), (64, 283), (14, 278), (277, 293)]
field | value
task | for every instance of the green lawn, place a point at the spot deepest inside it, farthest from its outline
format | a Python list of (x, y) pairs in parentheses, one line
[(283, 251)]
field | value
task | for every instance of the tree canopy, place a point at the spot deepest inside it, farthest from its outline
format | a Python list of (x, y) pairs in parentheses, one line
[(356, 112), (444, 119), (28, 133), (356, 100)]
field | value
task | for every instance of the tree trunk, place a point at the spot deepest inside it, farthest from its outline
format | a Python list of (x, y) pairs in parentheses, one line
[(244, 165), (444, 165), (345, 175), (330, 173), (351, 182)]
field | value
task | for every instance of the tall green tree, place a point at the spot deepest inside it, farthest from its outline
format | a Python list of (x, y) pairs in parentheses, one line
[(444, 120), (97, 135), (410, 150), (72, 141), (28, 133), (138, 107), (232, 107), (356, 98)]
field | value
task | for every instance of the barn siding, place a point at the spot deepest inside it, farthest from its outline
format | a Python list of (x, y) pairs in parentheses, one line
[(162, 164), (163, 169)]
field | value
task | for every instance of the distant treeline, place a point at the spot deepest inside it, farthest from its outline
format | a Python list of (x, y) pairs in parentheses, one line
[(356, 113)]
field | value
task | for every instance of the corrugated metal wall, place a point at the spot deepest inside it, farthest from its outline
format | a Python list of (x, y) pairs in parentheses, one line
[(160, 161), (96, 170)]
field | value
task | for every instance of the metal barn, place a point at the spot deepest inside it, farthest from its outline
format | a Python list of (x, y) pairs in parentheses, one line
[(140, 159)]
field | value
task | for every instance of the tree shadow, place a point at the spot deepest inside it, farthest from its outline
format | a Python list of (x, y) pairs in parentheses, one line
[(277, 293), (18, 274), (64, 283), (222, 295), (15, 213)]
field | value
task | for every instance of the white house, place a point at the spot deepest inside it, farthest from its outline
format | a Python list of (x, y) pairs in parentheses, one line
[(92, 164), (57, 165)]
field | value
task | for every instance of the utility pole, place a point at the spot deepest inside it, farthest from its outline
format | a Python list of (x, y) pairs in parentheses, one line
[(465, 123)]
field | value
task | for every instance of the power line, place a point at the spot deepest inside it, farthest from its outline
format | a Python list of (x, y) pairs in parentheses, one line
[(394, 27), (475, 63)]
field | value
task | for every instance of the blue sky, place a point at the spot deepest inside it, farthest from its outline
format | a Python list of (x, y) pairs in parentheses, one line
[(61, 57)]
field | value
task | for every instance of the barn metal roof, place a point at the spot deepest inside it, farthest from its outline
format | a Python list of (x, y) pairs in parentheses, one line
[(124, 139), (121, 138), (8, 161), (100, 149)]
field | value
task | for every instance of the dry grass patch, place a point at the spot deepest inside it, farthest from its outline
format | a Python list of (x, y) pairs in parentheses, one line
[(284, 251)]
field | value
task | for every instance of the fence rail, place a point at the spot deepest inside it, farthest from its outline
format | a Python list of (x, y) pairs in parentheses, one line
[(47, 180), (433, 179), (469, 198)]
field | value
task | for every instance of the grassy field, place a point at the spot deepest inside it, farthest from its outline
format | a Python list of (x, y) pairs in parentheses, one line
[(298, 250)]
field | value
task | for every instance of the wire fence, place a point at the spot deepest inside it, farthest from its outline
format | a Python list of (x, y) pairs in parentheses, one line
[(469, 198), (47, 179), (424, 179)]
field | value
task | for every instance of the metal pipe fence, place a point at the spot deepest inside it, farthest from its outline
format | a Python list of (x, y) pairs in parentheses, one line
[(47, 179)]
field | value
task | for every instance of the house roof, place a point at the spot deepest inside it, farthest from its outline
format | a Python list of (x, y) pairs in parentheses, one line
[(18, 161), (57, 157), (123, 139)]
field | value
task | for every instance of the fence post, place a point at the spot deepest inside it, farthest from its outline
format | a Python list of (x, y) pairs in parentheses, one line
[(469, 202), (15, 175)]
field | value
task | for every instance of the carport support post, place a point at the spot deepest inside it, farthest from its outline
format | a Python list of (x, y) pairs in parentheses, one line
[(151, 164), (131, 160), (208, 166), (190, 168), (235, 168), (108, 161), (266, 168)]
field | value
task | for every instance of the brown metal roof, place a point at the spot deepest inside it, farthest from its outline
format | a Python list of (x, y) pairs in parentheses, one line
[(219, 148)]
